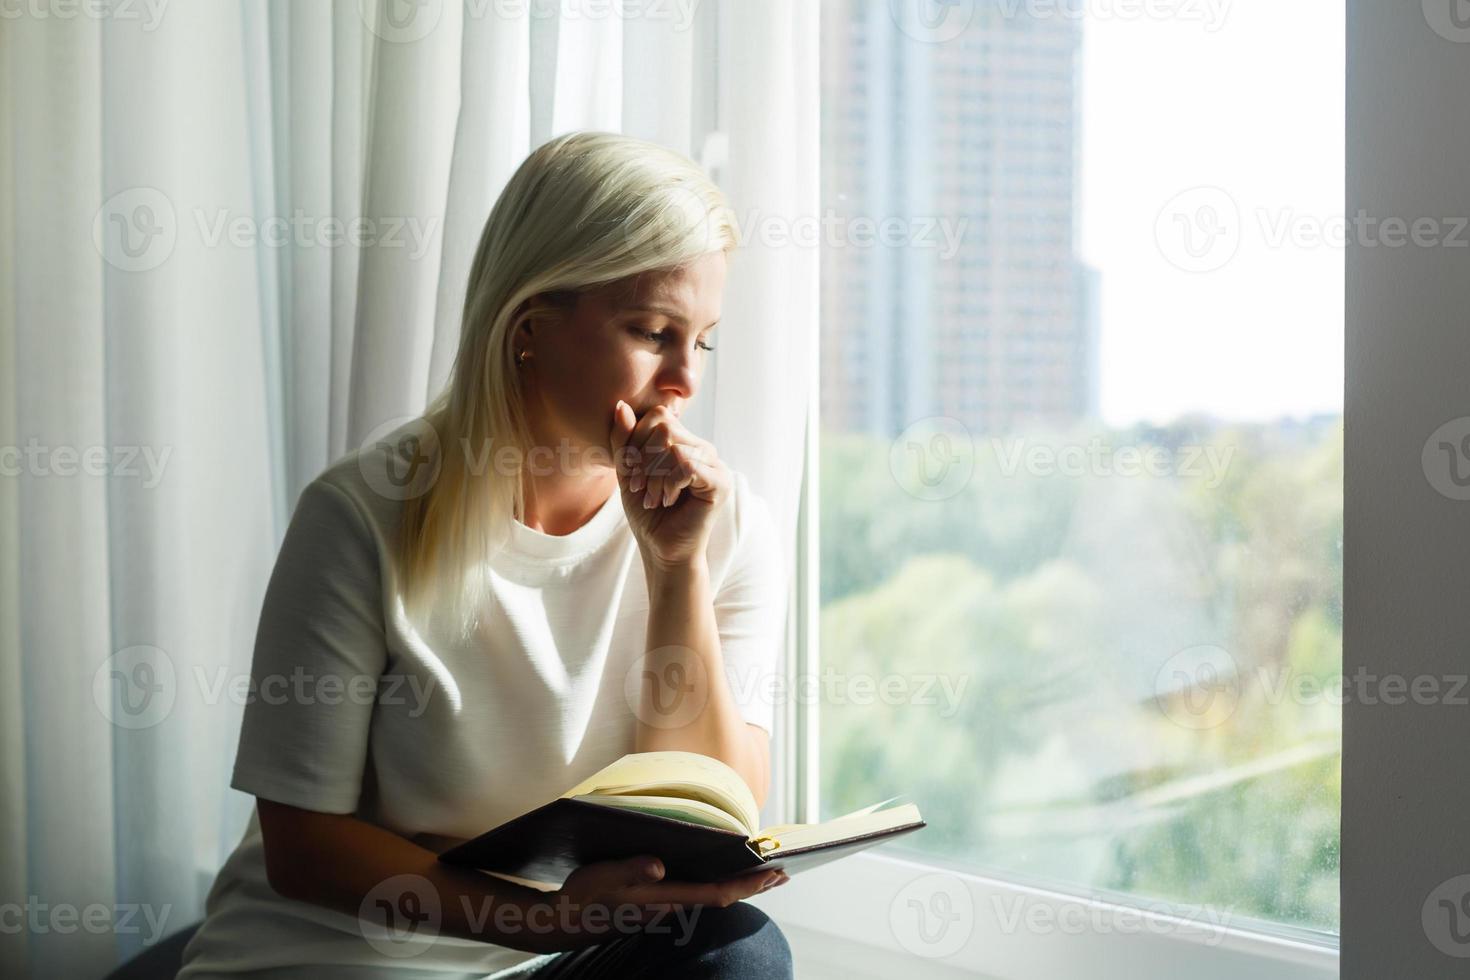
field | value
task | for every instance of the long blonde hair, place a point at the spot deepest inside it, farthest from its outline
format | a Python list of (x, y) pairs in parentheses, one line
[(583, 210)]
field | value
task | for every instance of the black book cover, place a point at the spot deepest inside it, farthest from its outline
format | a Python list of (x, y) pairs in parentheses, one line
[(550, 842)]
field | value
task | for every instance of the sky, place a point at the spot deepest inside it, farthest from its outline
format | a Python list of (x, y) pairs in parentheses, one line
[(1244, 99)]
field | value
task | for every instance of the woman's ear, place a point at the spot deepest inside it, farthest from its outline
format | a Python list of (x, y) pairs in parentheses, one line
[(523, 320), (541, 306)]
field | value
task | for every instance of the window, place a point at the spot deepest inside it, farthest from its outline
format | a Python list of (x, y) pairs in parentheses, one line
[(1084, 606)]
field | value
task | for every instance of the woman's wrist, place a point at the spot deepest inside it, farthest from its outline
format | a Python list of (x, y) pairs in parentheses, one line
[(493, 910), (666, 575)]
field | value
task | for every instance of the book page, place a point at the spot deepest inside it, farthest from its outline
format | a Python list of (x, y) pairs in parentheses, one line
[(776, 829), (789, 836), (692, 811), (685, 775)]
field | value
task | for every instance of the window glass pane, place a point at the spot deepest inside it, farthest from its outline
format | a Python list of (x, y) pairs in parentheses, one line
[(1081, 441)]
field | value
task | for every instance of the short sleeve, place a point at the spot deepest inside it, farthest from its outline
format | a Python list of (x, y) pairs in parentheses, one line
[(750, 611), (319, 654)]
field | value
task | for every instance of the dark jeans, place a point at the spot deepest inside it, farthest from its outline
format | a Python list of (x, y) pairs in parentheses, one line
[(735, 942)]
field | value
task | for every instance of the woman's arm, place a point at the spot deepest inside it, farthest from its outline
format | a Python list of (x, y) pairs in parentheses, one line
[(681, 626), (336, 860)]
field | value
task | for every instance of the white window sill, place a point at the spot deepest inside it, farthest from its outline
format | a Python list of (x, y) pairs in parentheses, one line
[(856, 918)]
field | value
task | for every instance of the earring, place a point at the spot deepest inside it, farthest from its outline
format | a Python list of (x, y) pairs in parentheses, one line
[(521, 358)]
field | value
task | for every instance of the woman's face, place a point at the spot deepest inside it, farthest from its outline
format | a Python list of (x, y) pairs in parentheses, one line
[(641, 340)]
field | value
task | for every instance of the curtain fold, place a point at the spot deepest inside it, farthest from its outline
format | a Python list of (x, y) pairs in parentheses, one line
[(191, 329)]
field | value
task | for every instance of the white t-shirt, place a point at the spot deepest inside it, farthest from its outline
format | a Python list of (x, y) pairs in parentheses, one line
[(359, 711)]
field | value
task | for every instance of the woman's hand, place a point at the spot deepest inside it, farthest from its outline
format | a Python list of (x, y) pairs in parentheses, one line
[(658, 460), (606, 886)]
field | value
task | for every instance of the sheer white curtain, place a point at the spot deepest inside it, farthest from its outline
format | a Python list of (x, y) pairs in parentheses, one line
[(193, 323)]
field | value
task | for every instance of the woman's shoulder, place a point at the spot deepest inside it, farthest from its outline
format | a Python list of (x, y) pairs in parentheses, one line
[(746, 519), (374, 479)]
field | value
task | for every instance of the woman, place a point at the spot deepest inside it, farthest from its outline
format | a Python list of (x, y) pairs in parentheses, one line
[(456, 630)]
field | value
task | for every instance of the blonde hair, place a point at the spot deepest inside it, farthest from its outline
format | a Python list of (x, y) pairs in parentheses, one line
[(582, 211)]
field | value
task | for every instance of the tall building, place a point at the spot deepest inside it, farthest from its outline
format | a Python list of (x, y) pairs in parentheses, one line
[(983, 313)]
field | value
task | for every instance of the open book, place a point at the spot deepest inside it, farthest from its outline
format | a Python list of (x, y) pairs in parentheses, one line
[(692, 811)]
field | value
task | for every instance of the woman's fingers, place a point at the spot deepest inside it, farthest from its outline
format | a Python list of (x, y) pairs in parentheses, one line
[(690, 471), (656, 462), (700, 477), (663, 457), (658, 486), (675, 467), (639, 438), (640, 445), (659, 429), (624, 425), (654, 419), (682, 476), (719, 893)]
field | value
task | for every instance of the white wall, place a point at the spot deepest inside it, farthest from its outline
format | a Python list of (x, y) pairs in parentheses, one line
[(1406, 778)]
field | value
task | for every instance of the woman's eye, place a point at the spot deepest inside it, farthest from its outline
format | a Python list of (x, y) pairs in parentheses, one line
[(659, 338)]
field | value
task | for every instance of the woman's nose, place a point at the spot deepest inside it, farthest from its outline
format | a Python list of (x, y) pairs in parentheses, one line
[(680, 375)]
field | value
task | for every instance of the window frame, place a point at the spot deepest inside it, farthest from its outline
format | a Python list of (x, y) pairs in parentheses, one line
[(828, 927)]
